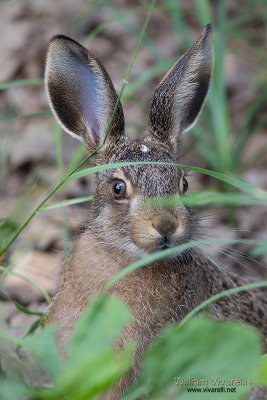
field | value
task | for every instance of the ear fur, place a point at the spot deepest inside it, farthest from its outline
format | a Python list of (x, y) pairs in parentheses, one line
[(81, 94), (179, 98)]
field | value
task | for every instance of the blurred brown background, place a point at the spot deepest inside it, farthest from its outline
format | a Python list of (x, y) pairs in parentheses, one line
[(31, 162)]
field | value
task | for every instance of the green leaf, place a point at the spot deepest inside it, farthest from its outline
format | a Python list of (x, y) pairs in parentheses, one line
[(97, 373), (43, 346), (105, 317), (263, 369), (92, 365), (259, 249), (27, 311), (34, 326), (202, 349), (11, 389)]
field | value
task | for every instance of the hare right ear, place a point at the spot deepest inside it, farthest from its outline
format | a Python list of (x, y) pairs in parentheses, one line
[(179, 98), (81, 94)]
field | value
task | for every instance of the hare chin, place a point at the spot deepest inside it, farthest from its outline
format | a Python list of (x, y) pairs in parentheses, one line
[(138, 253)]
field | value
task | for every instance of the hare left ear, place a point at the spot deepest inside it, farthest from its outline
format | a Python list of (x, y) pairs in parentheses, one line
[(81, 94), (179, 98)]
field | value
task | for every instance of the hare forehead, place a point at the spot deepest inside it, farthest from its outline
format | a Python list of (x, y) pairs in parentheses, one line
[(145, 150), (151, 180)]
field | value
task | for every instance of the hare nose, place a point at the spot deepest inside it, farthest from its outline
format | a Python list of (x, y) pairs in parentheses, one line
[(166, 227)]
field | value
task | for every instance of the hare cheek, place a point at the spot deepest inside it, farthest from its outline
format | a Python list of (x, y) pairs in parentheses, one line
[(182, 225), (112, 221), (144, 235)]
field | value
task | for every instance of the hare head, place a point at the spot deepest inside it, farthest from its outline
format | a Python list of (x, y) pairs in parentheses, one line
[(83, 98)]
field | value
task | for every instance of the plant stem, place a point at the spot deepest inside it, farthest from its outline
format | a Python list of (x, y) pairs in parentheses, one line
[(25, 223), (219, 296)]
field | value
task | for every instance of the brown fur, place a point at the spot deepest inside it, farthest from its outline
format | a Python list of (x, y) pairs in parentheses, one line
[(122, 231)]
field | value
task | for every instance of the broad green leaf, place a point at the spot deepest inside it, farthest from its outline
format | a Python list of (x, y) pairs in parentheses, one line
[(92, 365), (259, 249), (99, 327), (95, 374), (11, 389), (201, 349), (43, 346), (263, 369)]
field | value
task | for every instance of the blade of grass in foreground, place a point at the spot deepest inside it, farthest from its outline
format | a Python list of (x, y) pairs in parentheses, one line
[(205, 198), (178, 249), (231, 180), (21, 82), (40, 114), (218, 296), (39, 287), (61, 183), (165, 253), (202, 198), (65, 203)]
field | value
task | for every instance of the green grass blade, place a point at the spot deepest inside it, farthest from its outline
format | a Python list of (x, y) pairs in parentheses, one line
[(40, 114), (260, 249), (11, 338), (76, 159), (36, 284), (145, 77), (231, 180), (166, 253), (132, 28), (205, 198), (61, 183), (218, 296), (203, 11), (209, 153), (21, 82), (218, 113), (178, 21), (98, 29), (27, 311), (102, 26), (65, 203)]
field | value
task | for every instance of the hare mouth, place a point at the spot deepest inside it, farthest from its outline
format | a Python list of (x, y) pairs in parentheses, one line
[(165, 244)]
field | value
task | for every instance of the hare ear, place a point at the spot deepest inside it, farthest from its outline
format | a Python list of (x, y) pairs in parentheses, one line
[(81, 94), (178, 99)]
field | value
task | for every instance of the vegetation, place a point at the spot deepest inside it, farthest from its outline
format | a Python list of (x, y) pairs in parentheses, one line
[(228, 350)]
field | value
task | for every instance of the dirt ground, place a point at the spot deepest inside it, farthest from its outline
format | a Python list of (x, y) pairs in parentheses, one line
[(28, 150)]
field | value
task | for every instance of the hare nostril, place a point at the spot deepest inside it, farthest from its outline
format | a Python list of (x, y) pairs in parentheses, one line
[(165, 227)]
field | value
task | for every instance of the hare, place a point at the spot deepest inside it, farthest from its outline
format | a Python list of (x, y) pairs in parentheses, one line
[(121, 229)]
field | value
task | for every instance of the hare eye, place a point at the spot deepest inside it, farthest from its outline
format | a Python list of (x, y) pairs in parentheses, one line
[(185, 185), (119, 189)]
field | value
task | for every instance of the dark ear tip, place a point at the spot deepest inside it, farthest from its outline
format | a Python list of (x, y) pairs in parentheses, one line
[(61, 37), (208, 28), (205, 37), (206, 32)]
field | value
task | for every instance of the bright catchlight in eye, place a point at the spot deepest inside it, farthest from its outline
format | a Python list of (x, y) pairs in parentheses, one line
[(119, 189)]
